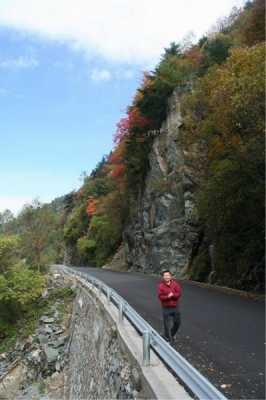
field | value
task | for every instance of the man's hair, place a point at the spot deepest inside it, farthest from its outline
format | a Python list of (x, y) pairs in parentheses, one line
[(165, 271)]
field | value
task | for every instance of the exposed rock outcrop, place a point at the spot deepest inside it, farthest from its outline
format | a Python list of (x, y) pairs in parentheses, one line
[(164, 229), (119, 262)]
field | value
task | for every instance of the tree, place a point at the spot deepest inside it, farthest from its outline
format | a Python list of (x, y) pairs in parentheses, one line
[(76, 225), (215, 50), (253, 31), (9, 252), (173, 50), (91, 206), (20, 287), (6, 219), (38, 232), (173, 71), (86, 248), (224, 117)]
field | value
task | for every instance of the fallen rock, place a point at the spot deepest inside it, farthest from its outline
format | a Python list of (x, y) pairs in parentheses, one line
[(38, 357), (59, 331), (51, 354), (59, 342), (43, 339), (11, 383), (47, 320)]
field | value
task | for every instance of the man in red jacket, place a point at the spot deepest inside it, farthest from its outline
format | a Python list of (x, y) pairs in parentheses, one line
[(169, 292)]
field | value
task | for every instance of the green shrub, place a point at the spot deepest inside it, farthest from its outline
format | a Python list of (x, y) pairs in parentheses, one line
[(173, 71), (9, 246), (215, 50), (86, 248), (107, 236), (20, 287), (201, 266), (61, 293), (76, 225)]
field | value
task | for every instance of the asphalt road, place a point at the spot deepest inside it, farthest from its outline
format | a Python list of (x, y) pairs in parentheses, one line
[(222, 335)]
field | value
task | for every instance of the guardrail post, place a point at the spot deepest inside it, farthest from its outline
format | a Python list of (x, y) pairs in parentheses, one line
[(121, 311), (146, 341), (100, 289), (108, 294)]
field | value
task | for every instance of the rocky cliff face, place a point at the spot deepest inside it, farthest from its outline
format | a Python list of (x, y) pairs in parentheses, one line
[(164, 229)]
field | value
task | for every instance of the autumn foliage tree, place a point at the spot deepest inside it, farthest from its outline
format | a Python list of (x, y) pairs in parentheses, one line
[(91, 206), (253, 26), (226, 114), (174, 70)]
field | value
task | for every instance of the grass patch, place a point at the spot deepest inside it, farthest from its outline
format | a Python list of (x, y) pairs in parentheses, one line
[(61, 293), (42, 387)]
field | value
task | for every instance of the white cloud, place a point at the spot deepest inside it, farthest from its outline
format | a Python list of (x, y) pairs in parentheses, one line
[(103, 74), (20, 62), (134, 31), (100, 75)]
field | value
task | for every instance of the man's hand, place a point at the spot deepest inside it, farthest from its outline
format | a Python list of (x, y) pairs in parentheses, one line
[(170, 295)]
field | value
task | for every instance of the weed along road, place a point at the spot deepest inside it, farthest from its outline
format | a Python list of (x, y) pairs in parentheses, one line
[(222, 335)]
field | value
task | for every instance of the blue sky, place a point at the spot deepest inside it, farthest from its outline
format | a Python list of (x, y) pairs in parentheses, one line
[(67, 74)]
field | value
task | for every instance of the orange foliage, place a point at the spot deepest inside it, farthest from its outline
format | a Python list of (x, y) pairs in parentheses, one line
[(194, 55), (91, 206), (118, 170), (253, 31), (117, 155), (116, 160)]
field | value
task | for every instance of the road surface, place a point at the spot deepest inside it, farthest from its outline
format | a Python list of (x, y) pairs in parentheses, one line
[(222, 335)]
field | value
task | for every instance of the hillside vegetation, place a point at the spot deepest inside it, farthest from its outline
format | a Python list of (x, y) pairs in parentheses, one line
[(28, 244), (221, 80)]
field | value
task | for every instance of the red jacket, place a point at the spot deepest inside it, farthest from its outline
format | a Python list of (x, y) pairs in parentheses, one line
[(164, 290)]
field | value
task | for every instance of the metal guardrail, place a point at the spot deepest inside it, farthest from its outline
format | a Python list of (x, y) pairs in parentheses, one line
[(196, 382)]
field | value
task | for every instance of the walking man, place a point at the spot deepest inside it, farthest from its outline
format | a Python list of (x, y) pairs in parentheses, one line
[(169, 292)]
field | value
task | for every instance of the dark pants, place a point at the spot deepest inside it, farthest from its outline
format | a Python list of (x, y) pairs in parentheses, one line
[(171, 321)]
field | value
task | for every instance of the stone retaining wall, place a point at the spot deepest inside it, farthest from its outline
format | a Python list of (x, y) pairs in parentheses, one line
[(105, 357)]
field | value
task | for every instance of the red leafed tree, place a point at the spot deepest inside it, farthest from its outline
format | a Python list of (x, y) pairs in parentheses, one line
[(117, 155), (116, 160), (133, 122), (118, 171), (194, 54), (91, 206), (122, 129)]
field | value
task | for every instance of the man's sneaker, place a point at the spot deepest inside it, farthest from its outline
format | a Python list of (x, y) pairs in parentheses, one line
[(172, 341), (166, 338)]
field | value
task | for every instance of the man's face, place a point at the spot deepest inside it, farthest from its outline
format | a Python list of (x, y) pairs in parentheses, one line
[(167, 277)]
